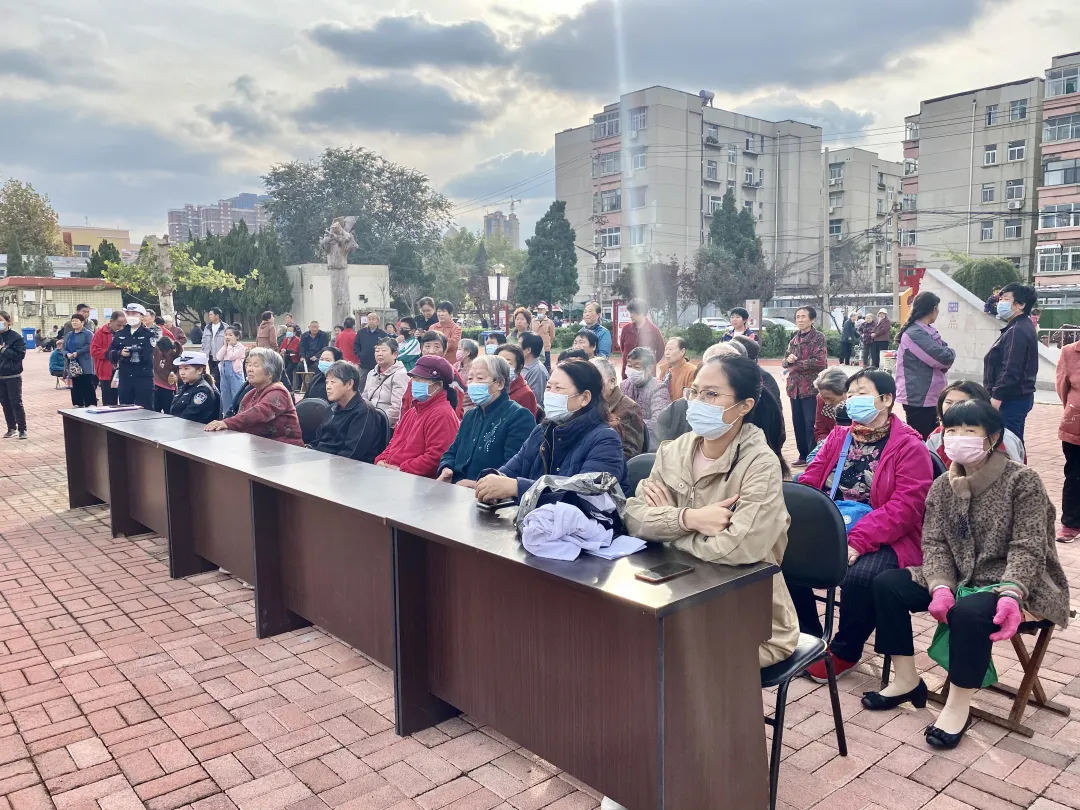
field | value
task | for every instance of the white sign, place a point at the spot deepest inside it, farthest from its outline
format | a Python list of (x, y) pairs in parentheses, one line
[(28, 295)]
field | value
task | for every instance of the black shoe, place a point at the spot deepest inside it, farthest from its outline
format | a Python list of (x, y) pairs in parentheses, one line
[(22, 434), (876, 702), (936, 738), (10, 434)]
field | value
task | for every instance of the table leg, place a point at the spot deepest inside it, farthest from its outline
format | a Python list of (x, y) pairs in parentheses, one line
[(77, 463), (120, 487), (271, 615), (183, 560)]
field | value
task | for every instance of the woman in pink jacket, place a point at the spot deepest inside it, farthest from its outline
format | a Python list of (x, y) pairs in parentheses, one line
[(1068, 389), (888, 468)]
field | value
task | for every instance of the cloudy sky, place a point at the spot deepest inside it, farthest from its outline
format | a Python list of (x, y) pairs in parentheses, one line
[(120, 110)]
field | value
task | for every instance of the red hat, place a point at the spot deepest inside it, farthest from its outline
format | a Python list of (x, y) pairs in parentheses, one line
[(543, 304), (433, 367)]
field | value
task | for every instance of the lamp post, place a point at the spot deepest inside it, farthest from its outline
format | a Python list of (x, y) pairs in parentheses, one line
[(495, 290)]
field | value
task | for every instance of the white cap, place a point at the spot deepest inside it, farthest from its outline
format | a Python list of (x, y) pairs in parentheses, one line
[(135, 308), (191, 359)]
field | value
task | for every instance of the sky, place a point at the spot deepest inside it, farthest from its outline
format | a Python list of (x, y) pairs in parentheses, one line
[(121, 110)]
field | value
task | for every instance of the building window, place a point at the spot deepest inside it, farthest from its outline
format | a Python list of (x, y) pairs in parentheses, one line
[(637, 235), (731, 184), (1062, 82), (1013, 229), (715, 203), (761, 177), (881, 179), (986, 232), (988, 192), (710, 170), (907, 202), (1016, 150), (82, 251), (1059, 260), (908, 238), (990, 154), (1062, 128), (610, 163), (610, 272), (912, 131), (608, 201), (1018, 110), (748, 206), (836, 227), (1066, 215), (712, 134), (732, 155), (637, 197), (610, 237), (1061, 172), (1014, 189), (755, 144), (605, 125), (836, 171), (637, 118), (911, 166), (637, 158), (836, 199), (991, 114), (880, 206), (748, 176)]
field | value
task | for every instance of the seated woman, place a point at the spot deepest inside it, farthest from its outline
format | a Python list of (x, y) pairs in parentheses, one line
[(519, 389), (988, 522), (962, 392), (316, 388), (266, 410), (888, 468), (623, 410), (385, 385), (493, 431), (428, 427), (352, 428), (725, 460), (671, 424), (831, 387), (641, 385), (575, 437)]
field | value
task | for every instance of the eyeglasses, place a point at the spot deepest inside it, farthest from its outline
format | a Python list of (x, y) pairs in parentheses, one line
[(708, 397)]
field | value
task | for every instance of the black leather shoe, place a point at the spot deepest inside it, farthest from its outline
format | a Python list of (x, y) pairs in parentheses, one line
[(876, 702), (936, 738)]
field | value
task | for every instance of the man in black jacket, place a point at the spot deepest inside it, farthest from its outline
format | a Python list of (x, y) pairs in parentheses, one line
[(352, 427), (12, 352), (1011, 365), (364, 345), (312, 342), (196, 400), (132, 352)]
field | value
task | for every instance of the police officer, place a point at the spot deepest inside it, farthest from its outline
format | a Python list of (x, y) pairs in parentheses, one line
[(132, 352), (196, 400)]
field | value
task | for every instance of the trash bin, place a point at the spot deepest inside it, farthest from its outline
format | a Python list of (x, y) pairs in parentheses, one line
[(28, 336), (888, 361)]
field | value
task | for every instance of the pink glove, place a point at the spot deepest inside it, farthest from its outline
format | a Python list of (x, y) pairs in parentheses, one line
[(941, 603), (1007, 618)]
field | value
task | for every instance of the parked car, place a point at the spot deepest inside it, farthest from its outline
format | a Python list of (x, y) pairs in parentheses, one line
[(784, 322), (716, 324)]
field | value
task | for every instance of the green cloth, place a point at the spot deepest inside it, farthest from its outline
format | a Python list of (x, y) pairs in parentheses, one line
[(939, 647), (409, 353)]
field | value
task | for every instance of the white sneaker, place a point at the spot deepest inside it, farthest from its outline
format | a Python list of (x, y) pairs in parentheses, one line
[(610, 804)]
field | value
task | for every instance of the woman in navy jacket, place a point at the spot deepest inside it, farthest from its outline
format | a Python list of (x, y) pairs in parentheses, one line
[(575, 437)]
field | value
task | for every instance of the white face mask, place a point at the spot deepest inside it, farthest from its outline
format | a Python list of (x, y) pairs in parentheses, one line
[(134, 321)]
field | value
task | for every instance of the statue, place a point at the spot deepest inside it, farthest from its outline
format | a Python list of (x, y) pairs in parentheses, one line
[(338, 242)]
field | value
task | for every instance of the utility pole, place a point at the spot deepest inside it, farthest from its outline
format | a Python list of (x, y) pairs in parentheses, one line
[(895, 270), (826, 274)]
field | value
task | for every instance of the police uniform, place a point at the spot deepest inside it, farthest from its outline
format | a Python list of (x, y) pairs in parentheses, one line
[(197, 402), (136, 378)]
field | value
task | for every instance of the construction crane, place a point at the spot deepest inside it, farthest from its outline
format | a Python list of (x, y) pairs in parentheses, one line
[(512, 203)]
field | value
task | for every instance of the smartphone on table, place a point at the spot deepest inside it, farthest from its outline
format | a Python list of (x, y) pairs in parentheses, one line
[(663, 572)]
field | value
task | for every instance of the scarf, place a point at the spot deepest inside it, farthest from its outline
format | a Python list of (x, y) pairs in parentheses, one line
[(864, 434)]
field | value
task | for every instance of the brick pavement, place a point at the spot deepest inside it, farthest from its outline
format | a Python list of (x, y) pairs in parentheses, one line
[(121, 689)]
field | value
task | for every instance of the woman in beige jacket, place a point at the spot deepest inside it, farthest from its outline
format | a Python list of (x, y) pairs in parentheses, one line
[(717, 492)]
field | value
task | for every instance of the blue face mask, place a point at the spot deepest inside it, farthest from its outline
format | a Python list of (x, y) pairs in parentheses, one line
[(707, 421), (479, 393), (324, 365), (288, 333), (419, 390), (3, 326), (513, 375), (1004, 310), (555, 409), (491, 348), (862, 409)]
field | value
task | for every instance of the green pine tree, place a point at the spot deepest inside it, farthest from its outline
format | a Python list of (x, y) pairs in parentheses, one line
[(106, 252), (734, 231), (477, 286), (550, 271), (15, 264)]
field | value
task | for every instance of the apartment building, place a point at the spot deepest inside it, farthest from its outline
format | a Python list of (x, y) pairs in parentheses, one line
[(971, 165), (216, 219), (862, 190), (508, 226), (642, 180), (1058, 234)]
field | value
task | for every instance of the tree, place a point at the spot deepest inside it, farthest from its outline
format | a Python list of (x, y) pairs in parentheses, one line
[(657, 282), (106, 252), (734, 231), (982, 276), (550, 271), (408, 280), (28, 215), (162, 268), (39, 265), (15, 264), (477, 286), (700, 283)]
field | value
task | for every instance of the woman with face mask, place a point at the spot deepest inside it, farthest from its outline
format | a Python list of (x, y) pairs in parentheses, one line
[(428, 426), (317, 384), (887, 468), (717, 491), (12, 352), (641, 385), (989, 524), (576, 436)]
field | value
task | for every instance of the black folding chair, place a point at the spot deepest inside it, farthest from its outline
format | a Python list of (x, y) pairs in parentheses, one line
[(310, 414), (638, 469), (816, 557)]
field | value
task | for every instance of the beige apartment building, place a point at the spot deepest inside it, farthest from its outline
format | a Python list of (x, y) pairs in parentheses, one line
[(971, 167), (642, 180), (1058, 234)]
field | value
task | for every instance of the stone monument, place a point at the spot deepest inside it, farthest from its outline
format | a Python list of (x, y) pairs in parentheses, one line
[(338, 242)]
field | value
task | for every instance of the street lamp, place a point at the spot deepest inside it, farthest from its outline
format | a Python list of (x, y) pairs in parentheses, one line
[(495, 290)]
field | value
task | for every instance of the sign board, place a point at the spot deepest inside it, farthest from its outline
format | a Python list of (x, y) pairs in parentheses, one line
[(93, 317), (28, 295), (753, 306), (502, 320), (954, 306)]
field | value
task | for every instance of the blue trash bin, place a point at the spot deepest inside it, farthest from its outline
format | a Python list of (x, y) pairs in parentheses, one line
[(28, 336)]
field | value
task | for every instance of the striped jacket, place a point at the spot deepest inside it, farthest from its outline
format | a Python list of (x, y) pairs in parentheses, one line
[(921, 362)]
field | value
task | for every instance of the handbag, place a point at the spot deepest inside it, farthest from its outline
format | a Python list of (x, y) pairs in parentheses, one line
[(851, 511), (939, 647), (74, 369)]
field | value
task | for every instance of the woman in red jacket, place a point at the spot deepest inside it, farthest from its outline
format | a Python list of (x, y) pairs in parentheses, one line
[(519, 389), (428, 427), (1068, 389), (290, 354), (266, 410), (99, 350)]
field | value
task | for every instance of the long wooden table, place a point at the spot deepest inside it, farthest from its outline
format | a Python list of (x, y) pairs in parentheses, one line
[(649, 693)]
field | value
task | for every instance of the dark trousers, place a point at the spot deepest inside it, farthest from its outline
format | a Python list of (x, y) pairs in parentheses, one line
[(215, 372), (137, 391), (845, 352), (163, 398), (11, 400), (922, 419), (547, 361), (971, 621), (856, 605), (1070, 493), (876, 348), (109, 395), (802, 416), (287, 374), (84, 391), (1014, 413)]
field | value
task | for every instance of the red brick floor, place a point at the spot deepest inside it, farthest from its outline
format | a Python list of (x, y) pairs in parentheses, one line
[(121, 688)]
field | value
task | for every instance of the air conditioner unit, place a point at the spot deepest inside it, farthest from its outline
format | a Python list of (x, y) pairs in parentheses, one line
[(1016, 205), (832, 208), (833, 181), (633, 134)]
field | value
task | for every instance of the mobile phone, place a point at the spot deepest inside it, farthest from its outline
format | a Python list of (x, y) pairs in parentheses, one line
[(492, 507), (663, 572)]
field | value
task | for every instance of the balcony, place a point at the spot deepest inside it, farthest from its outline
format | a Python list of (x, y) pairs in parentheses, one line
[(751, 149), (751, 183), (712, 140)]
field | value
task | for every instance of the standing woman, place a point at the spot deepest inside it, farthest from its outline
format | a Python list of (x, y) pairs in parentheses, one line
[(922, 360), (12, 352), (740, 325), (1068, 389), (77, 351), (266, 335), (806, 358), (230, 359), (522, 323)]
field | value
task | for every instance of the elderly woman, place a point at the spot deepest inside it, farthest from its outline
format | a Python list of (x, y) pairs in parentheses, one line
[(386, 383), (266, 410), (831, 387), (428, 427), (806, 358), (641, 385), (77, 352), (519, 389), (887, 468), (989, 525), (493, 431), (522, 323), (468, 350), (627, 415), (672, 422)]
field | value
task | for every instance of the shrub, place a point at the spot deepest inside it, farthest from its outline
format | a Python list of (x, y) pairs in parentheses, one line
[(774, 341), (700, 336)]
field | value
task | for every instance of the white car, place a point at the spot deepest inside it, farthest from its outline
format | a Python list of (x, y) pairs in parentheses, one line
[(784, 322), (716, 324)]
